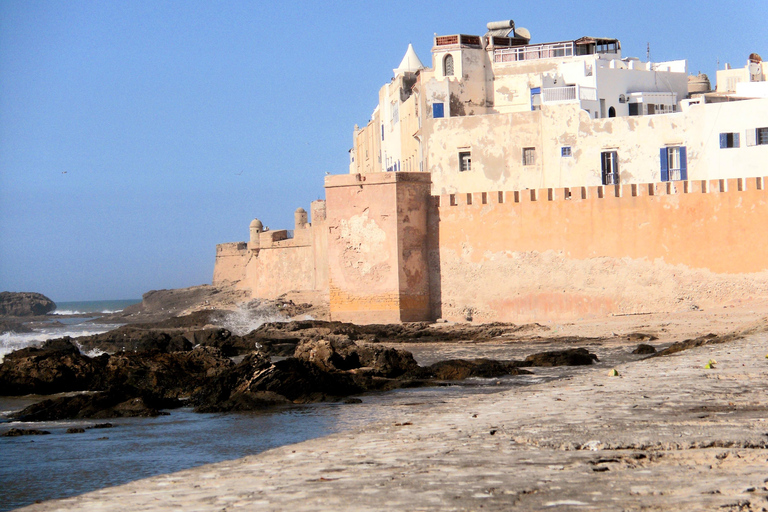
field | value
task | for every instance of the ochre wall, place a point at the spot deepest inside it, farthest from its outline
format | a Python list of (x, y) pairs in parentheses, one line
[(538, 255), (377, 248), (231, 259), (280, 264)]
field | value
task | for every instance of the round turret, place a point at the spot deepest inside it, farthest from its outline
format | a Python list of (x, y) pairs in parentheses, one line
[(300, 217), (256, 228)]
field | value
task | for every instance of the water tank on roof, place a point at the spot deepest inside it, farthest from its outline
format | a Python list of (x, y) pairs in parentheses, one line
[(698, 84)]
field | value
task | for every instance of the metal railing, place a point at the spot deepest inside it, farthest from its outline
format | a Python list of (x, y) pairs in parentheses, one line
[(533, 52)]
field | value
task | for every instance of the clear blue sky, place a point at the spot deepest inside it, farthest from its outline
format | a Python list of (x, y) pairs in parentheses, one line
[(135, 136)]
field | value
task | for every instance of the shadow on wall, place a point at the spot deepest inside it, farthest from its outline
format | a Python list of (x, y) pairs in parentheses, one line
[(433, 259)]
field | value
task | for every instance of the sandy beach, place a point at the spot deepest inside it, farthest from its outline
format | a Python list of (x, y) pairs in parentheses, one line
[(666, 433)]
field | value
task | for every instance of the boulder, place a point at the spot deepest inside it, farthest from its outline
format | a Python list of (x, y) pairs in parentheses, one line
[(458, 369), (339, 353), (15, 432), (111, 404), (567, 357), (167, 375), (25, 304), (644, 349), (10, 326), (57, 366), (135, 339)]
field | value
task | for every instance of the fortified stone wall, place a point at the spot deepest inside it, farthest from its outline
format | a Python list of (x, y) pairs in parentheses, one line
[(564, 253), (274, 262), (377, 251)]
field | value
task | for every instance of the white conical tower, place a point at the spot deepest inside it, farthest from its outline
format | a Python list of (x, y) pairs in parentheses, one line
[(410, 62)]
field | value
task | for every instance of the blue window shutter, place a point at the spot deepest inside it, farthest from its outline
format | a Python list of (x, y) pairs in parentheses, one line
[(736, 140), (438, 110), (683, 164), (664, 159), (723, 140)]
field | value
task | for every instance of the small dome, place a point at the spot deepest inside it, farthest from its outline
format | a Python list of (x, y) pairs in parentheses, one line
[(256, 223), (300, 210)]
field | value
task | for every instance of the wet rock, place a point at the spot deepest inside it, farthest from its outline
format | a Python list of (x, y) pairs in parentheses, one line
[(709, 339), (340, 353), (15, 432), (567, 357), (458, 369), (643, 349), (11, 326), (112, 404), (641, 336), (75, 430), (101, 425), (57, 366), (134, 339), (168, 375), (25, 304)]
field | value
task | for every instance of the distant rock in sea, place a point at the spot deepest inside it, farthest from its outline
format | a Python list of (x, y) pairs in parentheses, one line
[(25, 304)]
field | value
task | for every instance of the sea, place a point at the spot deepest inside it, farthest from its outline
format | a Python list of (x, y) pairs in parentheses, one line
[(60, 464)]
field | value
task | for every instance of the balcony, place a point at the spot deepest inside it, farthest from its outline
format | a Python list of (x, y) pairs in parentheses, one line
[(534, 52), (568, 93)]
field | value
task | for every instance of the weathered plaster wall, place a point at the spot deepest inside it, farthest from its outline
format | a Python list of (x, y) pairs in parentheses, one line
[(231, 260), (534, 255), (497, 142), (376, 248)]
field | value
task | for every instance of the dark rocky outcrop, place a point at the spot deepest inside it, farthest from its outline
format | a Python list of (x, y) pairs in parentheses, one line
[(55, 367), (341, 353), (11, 326), (644, 349), (160, 369), (25, 304), (15, 432), (567, 357), (709, 339), (166, 375), (112, 404), (459, 369)]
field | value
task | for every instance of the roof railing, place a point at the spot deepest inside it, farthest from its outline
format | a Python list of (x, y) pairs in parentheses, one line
[(460, 39)]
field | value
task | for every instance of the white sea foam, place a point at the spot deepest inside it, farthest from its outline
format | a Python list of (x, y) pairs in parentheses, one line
[(65, 312), (246, 319), (11, 341)]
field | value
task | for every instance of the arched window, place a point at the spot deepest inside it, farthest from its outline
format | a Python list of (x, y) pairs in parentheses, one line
[(448, 65), (611, 112)]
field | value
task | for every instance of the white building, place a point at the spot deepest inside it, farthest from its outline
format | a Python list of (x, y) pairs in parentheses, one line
[(495, 112)]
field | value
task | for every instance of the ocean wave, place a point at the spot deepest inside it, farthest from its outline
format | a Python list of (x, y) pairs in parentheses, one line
[(244, 320), (11, 341), (77, 312)]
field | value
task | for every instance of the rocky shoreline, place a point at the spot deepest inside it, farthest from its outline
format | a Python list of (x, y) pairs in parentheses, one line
[(144, 369), (661, 433)]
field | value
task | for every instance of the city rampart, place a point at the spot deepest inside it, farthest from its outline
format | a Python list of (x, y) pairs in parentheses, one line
[(377, 250), (564, 253), (275, 262)]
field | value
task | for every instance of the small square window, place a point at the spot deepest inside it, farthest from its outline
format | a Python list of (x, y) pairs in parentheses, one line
[(565, 151), (465, 161), (729, 140), (529, 156), (438, 110)]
